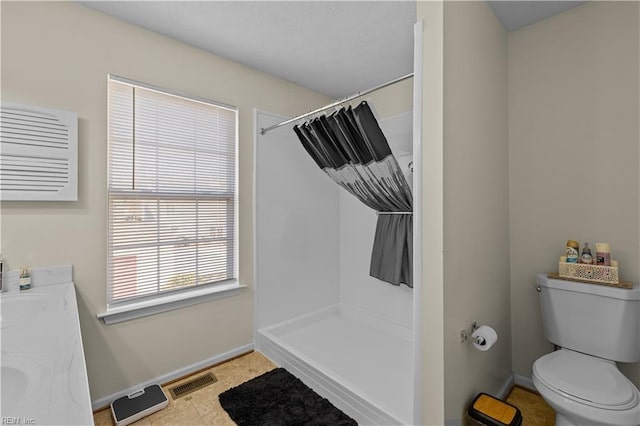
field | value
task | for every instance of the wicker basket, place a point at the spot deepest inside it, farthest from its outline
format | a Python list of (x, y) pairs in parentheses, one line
[(589, 273)]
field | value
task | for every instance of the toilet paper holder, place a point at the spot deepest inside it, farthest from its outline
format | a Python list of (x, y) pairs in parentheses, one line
[(464, 335)]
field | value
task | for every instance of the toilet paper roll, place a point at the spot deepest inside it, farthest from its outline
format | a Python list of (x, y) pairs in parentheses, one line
[(484, 337)]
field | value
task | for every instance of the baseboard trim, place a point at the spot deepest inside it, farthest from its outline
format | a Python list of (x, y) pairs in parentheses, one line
[(524, 381), (104, 402), (506, 387)]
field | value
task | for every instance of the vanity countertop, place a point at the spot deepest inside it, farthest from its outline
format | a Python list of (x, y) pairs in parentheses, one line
[(44, 376)]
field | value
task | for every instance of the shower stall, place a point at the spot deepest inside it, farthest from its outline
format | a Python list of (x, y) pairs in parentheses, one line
[(319, 314)]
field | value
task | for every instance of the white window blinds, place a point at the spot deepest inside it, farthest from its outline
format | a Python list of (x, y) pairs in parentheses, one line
[(172, 192)]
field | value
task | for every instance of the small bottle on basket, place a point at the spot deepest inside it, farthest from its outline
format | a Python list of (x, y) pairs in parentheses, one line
[(603, 254), (25, 278), (586, 255), (572, 251)]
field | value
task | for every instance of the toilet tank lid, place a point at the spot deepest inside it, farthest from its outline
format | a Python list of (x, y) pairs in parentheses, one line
[(601, 290)]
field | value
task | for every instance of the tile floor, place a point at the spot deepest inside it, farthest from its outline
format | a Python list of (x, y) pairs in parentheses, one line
[(202, 407)]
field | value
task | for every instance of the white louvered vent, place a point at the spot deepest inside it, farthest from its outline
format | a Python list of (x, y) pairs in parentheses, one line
[(38, 154)]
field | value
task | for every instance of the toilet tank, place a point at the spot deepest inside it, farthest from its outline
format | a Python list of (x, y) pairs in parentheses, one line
[(594, 319)]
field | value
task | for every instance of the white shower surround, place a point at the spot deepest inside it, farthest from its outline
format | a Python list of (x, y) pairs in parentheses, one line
[(318, 312), (357, 224)]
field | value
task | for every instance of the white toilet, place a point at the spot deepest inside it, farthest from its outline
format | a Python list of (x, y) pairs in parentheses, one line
[(594, 326)]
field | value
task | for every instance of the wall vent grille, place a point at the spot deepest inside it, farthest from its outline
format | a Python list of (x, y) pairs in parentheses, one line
[(192, 385), (38, 154)]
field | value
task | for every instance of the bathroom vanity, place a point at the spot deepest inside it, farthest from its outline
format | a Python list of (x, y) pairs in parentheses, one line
[(42, 367)]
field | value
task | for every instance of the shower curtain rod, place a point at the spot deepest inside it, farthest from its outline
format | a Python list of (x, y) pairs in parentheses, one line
[(336, 103)]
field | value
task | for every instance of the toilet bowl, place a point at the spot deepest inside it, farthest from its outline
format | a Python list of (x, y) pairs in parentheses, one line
[(586, 390)]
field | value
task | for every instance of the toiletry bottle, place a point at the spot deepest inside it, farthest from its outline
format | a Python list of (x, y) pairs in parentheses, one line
[(603, 254), (572, 251), (25, 278), (586, 255)]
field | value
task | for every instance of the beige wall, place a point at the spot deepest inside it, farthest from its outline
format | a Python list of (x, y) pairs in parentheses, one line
[(429, 324), (476, 201), (573, 152), (58, 55), (391, 100)]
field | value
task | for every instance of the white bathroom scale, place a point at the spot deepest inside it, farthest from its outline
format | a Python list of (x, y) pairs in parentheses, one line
[(133, 407)]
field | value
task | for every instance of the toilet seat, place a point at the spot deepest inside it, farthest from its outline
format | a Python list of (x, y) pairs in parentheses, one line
[(586, 380)]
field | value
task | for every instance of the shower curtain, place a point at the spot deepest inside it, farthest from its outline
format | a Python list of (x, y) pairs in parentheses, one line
[(350, 147)]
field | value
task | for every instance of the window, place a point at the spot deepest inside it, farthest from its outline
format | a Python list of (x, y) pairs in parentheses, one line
[(172, 193)]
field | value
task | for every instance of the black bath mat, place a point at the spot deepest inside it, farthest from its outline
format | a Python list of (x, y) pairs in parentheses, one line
[(279, 398)]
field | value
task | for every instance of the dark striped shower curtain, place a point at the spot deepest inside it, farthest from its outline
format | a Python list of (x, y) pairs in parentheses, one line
[(350, 147)]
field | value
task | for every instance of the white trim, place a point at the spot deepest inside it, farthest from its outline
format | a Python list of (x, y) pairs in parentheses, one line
[(170, 92), (254, 221), (417, 223), (169, 302), (236, 203), (506, 387), (524, 381), (176, 374)]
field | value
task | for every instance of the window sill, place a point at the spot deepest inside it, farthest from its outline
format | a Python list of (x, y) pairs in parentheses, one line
[(168, 303)]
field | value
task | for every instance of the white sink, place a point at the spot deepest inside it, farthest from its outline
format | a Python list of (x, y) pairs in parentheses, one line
[(14, 385), (21, 309), (43, 377), (21, 384)]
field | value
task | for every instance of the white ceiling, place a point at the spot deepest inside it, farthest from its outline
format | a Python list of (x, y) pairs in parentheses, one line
[(334, 47), (516, 14)]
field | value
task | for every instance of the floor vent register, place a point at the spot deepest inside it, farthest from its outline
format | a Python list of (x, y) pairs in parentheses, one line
[(197, 383)]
